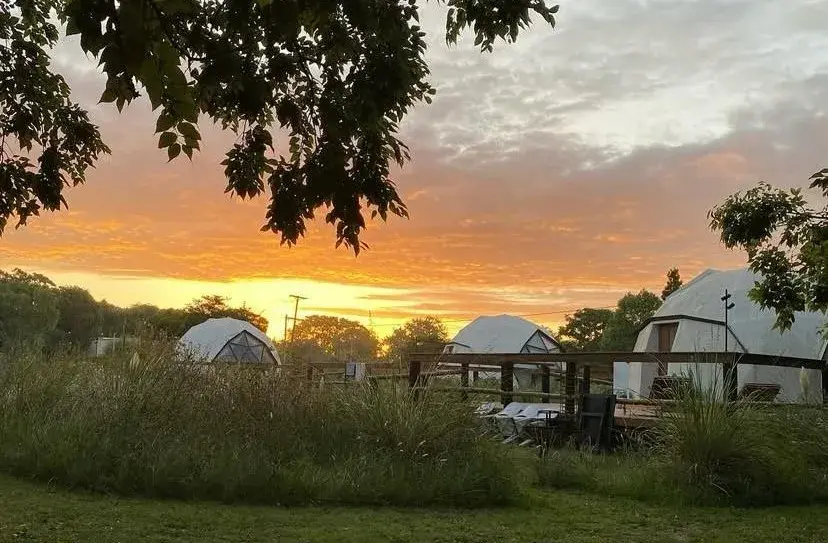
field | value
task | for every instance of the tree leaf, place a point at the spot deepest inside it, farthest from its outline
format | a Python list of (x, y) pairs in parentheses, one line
[(167, 139), (173, 151), (165, 122)]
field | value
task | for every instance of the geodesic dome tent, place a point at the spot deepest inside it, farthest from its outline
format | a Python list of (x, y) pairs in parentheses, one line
[(228, 340), (692, 320), (505, 334)]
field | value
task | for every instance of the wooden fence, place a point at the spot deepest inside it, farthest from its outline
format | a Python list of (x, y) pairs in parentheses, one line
[(580, 369)]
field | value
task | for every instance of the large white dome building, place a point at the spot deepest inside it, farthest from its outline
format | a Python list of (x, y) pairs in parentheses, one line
[(692, 320)]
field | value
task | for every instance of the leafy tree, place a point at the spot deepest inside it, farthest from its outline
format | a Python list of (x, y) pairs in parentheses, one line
[(342, 339), (28, 310), (336, 77), (584, 329), (674, 283), (622, 329), (406, 338), (786, 242), (212, 306), (79, 316)]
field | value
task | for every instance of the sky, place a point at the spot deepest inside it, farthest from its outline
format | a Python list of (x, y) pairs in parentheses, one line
[(556, 173)]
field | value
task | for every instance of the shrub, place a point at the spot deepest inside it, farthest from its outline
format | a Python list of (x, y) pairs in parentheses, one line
[(707, 451), (170, 428)]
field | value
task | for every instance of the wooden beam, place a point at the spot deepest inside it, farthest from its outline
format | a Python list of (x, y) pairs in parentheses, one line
[(570, 387), (585, 381), (546, 378), (464, 380), (506, 382), (606, 359)]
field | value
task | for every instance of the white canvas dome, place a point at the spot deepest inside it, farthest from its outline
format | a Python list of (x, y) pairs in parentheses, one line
[(229, 340), (503, 334), (692, 320), (751, 326)]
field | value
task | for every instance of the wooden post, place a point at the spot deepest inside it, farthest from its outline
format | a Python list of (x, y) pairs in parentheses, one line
[(413, 374), (585, 384), (464, 380), (570, 387), (476, 376), (506, 382), (545, 381)]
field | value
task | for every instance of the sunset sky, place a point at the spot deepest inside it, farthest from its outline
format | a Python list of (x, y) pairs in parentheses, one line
[(556, 173)]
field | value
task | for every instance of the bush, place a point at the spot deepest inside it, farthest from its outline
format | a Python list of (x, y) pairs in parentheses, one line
[(707, 451), (174, 429)]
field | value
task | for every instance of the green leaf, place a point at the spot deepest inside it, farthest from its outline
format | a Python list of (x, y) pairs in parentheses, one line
[(167, 139), (188, 131), (165, 122), (109, 95), (188, 151), (173, 150)]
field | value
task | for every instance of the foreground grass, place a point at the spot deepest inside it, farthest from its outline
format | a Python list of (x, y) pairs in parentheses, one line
[(163, 427), (36, 512)]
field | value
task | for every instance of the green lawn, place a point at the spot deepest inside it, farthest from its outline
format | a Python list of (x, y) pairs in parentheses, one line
[(35, 512)]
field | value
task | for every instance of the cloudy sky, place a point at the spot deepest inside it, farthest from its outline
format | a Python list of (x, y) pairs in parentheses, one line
[(556, 173)]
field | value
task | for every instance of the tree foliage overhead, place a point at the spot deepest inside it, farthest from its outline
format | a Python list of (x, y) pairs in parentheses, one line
[(584, 329), (336, 77), (674, 283), (46, 140), (786, 242), (417, 331)]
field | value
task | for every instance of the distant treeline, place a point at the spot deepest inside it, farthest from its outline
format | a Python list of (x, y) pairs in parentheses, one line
[(36, 313)]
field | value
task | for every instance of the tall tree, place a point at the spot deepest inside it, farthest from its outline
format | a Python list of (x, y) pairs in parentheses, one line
[(79, 316), (674, 283), (622, 329), (584, 329), (212, 306), (337, 77), (28, 310), (786, 241), (417, 331), (342, 339)]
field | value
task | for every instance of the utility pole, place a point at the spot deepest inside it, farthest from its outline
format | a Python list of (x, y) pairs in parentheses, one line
[(727, 308), (295, 313)]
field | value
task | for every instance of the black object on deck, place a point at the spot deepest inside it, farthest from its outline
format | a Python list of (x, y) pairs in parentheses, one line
[(596, 420)]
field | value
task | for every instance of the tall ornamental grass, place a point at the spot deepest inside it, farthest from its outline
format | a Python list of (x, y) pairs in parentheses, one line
[(708, 451), (163, 427)]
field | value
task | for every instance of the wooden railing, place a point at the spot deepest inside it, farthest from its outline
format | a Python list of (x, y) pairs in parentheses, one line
[(421, 366)]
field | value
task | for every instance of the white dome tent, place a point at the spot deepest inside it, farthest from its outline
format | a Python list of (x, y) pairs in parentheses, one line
[(228, 340), (504, 334), (692, 320)]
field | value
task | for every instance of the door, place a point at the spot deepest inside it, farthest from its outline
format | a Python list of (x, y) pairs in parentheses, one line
[(666, 337)]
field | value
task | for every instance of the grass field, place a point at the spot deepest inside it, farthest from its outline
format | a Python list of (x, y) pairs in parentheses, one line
[(36, 512)]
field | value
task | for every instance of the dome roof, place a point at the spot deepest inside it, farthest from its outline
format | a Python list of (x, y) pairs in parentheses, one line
[(234, 338), (501, 334), (753, 326)]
